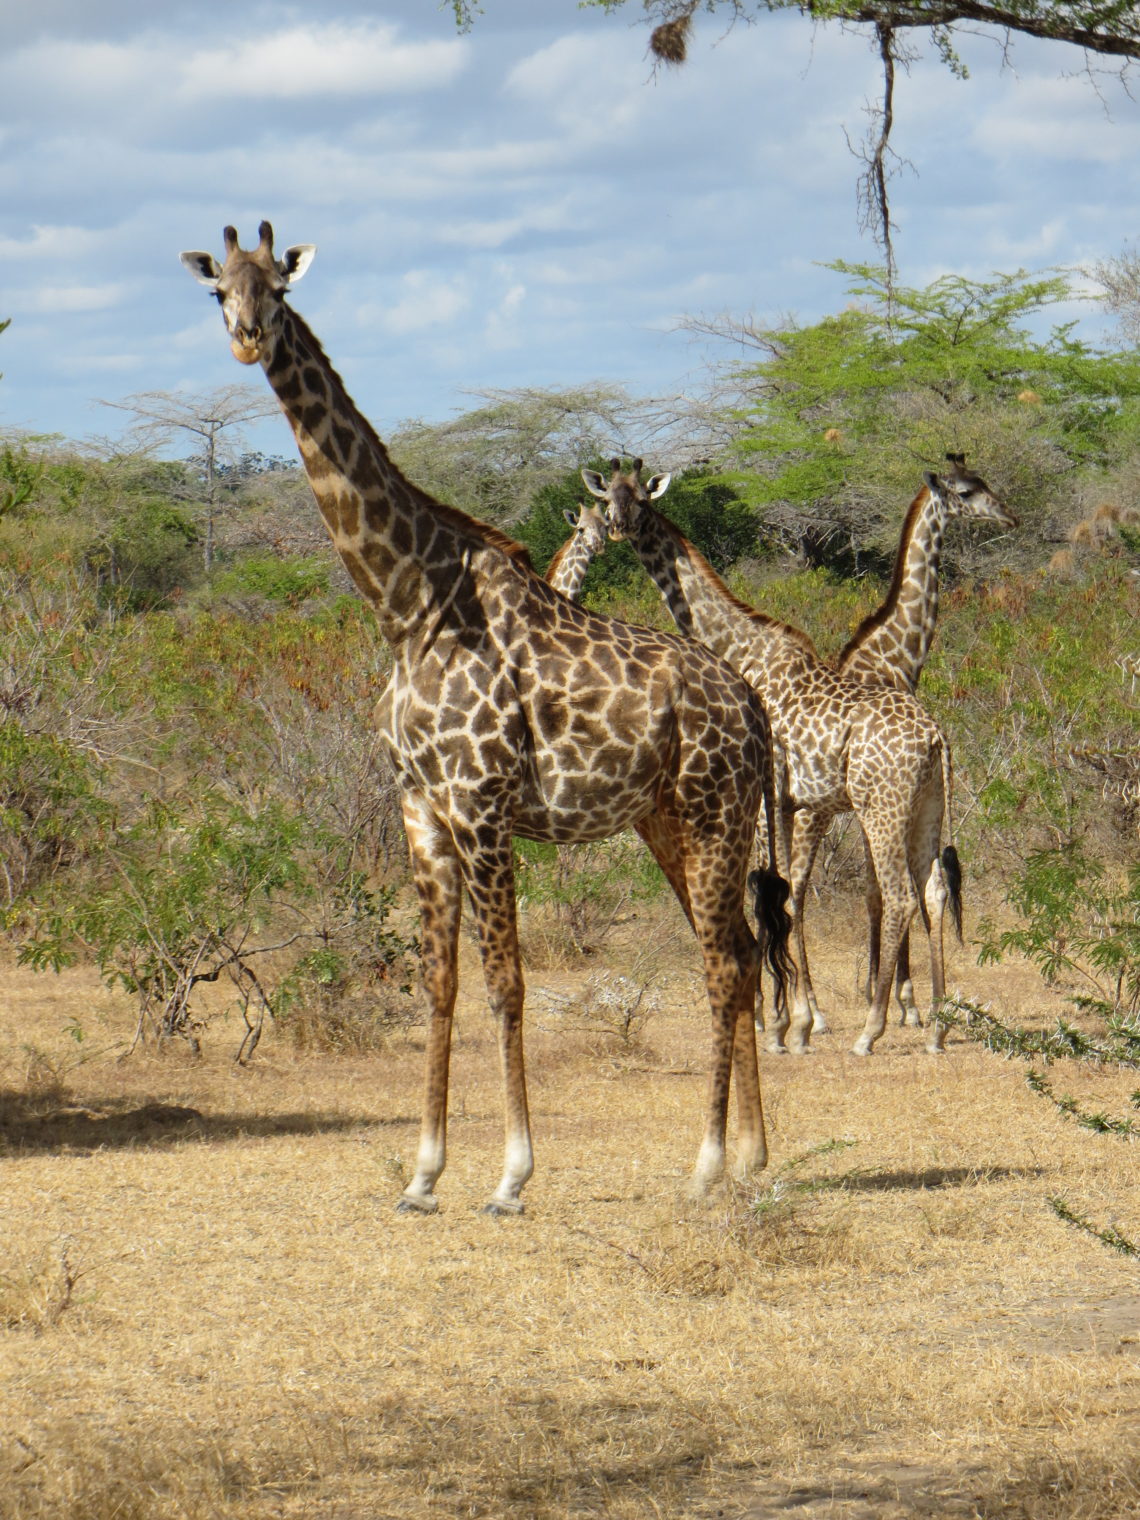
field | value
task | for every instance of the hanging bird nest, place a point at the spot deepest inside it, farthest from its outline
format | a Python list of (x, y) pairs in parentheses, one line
[(669, 42)]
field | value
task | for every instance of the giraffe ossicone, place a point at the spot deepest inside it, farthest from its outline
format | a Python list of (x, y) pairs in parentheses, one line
[(513, 711)]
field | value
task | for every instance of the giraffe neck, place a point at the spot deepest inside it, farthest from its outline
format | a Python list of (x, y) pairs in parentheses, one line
[(567, 570), (703, 607), (401, 547), (891, 645)]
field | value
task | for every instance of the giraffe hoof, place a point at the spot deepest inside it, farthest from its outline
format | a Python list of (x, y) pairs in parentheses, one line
[(775, 1048), (497, 1209), (862, 1047), (417, 1203)]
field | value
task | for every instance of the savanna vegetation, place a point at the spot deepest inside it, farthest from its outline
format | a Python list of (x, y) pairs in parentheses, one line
[(210, 1036)]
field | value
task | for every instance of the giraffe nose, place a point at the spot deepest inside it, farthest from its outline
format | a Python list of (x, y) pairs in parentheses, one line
[(251, 334)]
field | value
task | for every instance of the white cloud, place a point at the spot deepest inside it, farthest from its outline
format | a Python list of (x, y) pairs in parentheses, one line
[(76, 297), (322, 60), (49, 242), (290, 63), (427, 301), (502, 328)]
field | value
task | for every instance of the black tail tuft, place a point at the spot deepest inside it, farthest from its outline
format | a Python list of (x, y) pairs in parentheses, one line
[(770, 893), (952, 872)]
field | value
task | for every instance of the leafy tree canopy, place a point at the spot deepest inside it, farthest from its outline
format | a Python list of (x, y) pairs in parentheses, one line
[(847, 413)]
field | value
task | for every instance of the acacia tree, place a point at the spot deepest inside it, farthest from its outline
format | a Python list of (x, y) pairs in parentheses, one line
[(162, 415), (1104, 29), (843, 416), (493, 459)]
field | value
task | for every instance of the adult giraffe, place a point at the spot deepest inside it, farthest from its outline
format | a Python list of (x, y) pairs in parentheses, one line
[(567, 570), (513, 711), (890, 645), (841, 746)]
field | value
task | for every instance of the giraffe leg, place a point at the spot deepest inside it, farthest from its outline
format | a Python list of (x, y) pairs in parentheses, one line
[(435, 867), (927, 868), (714, 907), (937, 895), (899, 903), (808, 830), (874, 900), (904, 987), (489, 877)]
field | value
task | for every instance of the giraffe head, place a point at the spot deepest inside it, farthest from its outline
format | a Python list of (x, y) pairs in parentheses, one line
[(965, 494), (625, 495), (250, 287), (590, 527)]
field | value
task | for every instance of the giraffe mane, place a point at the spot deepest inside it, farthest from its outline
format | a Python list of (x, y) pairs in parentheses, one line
[(889, 604), (462, 521), (711, 578)]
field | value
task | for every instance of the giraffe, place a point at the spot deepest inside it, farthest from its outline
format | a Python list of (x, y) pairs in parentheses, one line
[(567, 570), (511, 710), (841, 746), (890, 645)]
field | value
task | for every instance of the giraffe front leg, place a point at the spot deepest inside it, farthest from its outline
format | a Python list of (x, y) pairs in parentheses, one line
[(435, 867), (489, 876)]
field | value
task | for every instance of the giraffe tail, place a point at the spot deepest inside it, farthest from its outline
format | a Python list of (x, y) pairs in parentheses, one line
[(951, 865), (770, 893)]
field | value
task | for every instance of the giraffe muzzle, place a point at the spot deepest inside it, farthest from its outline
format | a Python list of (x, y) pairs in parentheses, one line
[(246, 346)]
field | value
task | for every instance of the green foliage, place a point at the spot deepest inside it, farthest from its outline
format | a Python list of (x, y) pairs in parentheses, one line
[(1108, 1235), (1065, 1043), (19, 476), (1076, 924), (706, 508), (849, 411), (287, 582), (588, 886), (174, 902), (51, 806), (190, 895)]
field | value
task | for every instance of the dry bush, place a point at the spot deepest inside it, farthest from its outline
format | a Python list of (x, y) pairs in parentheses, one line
[(35, 1294)]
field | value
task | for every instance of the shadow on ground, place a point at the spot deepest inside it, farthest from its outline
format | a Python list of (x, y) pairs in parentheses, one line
[(35, 1124), (930, 1177)]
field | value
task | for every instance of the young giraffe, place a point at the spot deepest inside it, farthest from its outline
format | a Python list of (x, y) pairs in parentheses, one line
[(890, 646), (567, 570), (841, 746), (511, 710)]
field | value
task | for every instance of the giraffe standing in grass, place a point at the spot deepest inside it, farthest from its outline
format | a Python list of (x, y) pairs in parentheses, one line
[(511, 710), (841, 746), (890, 646), (567, 570)]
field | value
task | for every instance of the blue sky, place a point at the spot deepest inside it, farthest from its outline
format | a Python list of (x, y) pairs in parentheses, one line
[(523, 205)]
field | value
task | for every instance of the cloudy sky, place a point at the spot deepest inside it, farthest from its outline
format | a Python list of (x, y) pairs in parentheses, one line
[(521, 205)]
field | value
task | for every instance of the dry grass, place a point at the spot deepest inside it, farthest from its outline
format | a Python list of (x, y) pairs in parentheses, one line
[(893, 1326)]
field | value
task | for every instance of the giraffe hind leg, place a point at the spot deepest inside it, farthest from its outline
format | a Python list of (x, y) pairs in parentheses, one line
[(704, 888)]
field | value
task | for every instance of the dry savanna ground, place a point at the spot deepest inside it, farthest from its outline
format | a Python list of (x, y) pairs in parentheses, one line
[(208, 1307)]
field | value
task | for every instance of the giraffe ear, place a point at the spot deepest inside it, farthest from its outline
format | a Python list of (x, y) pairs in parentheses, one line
[(570, 517), (595, 483), (657, 485), (204, 267), (294, 261)]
